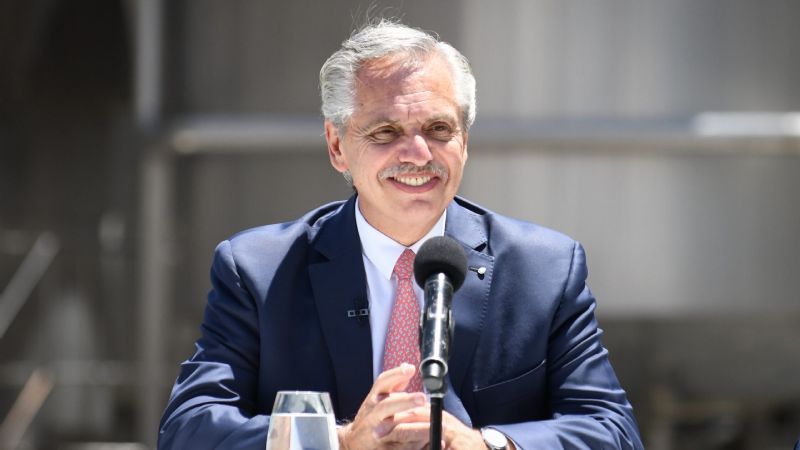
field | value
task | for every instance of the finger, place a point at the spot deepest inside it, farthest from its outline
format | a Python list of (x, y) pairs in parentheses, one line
[(441, 445), (456, 434), (397, 403), (393, 380), (407, 435), (419, 414), (416, 415), (385, 399)]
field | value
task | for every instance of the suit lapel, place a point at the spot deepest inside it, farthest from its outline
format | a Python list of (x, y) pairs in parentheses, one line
[(471, 301), (339, 285)]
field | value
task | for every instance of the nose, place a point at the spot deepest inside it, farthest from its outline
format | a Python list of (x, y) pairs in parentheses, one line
[(416, 151)]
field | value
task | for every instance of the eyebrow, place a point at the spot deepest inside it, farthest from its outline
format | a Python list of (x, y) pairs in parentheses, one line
[(443, 117), (382, 121)]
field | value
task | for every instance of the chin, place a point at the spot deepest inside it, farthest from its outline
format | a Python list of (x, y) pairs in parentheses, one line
[(421, 212)]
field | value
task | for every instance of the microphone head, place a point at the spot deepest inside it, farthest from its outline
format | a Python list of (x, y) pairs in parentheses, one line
[(441, 254)]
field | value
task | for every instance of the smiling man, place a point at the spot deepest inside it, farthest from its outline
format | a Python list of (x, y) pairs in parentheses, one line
[(405, 146), (325, 303)]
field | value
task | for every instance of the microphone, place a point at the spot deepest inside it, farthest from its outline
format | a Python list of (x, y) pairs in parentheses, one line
[(439, 267)]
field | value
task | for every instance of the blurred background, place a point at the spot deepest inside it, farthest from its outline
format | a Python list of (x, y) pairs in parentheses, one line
[(135, 135)]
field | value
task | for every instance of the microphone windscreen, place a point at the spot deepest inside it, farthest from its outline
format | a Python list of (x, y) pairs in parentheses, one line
[(441, 254)]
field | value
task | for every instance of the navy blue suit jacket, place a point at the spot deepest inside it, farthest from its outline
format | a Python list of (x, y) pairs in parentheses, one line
[(526, 355)]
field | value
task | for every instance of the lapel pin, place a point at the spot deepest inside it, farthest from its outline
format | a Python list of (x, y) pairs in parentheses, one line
[(358, 312), (481, 271)]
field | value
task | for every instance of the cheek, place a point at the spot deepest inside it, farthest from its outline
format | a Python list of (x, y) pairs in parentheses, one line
[(457, 169), (367, 165), (457, 157), (354, 157)]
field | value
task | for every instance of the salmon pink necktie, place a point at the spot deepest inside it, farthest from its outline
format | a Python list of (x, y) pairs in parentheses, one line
[(402, 337)]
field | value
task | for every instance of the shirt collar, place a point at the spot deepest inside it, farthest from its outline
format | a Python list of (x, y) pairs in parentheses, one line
[(382, 250)]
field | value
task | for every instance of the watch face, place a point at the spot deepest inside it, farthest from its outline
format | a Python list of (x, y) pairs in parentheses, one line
[(494, 439)]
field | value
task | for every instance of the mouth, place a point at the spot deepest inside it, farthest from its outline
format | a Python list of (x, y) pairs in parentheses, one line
[(413, 181)]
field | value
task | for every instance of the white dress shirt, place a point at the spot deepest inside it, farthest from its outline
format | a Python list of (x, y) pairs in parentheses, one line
[(380, 254)]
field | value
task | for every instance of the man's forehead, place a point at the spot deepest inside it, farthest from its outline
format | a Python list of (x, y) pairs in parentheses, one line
[(398, 69), (384, 84), (395, 65)]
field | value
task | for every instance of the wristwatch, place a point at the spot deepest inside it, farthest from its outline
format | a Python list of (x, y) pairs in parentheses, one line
[(494, 439)]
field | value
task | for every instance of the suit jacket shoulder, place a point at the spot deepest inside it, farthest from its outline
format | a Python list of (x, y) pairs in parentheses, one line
[(280, 236), (518, 247), (255, 251), (528, 235)]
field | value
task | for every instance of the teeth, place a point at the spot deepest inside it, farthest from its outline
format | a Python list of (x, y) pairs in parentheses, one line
[(414, 181)]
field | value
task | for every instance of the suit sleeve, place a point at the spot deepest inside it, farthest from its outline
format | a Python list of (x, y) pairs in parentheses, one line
[(589, 409), (212, 402)]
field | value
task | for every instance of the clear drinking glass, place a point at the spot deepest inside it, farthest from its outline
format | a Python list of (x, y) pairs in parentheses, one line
[(302, 420)]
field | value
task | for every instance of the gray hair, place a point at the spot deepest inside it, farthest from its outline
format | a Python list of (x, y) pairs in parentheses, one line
[(375, 41)]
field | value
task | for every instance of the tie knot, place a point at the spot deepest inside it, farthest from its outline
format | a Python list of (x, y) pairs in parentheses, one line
[(404, 267)]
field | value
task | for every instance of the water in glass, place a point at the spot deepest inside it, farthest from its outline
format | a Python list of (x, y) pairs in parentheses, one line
[(302, 421)]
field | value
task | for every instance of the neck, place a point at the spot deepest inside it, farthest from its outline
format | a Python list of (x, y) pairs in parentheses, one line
[(404, 233), (406, 238)]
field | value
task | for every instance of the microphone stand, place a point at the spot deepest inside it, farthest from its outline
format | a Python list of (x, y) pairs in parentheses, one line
[(436, 422), (435, 382)]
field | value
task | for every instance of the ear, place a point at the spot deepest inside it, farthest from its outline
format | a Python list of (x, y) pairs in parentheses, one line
[(334, 147), (466, 138)]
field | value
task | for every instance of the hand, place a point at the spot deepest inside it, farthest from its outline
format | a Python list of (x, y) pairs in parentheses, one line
[(389, 417), (458, 436)]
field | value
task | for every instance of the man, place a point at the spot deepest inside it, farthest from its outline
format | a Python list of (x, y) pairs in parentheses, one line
[(527, 369)]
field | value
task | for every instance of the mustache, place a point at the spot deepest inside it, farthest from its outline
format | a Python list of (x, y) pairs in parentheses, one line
[(432, 167)]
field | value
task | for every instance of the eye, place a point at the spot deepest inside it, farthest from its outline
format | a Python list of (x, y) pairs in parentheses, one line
[(383, 135), (441, 130)]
